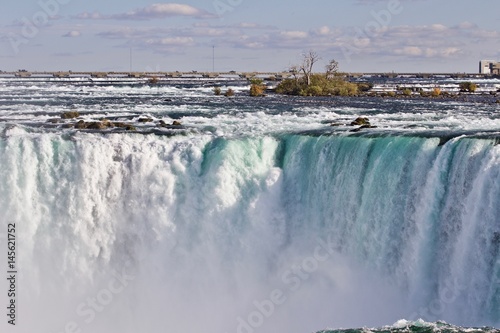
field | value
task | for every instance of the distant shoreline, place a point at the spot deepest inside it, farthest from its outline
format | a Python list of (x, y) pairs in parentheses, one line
[(267, 75)]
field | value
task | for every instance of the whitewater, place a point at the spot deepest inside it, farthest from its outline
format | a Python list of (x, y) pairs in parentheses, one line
[(255, 215)]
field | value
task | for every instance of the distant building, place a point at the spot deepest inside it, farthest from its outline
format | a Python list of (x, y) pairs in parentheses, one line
[(495, 68), (489, 67)]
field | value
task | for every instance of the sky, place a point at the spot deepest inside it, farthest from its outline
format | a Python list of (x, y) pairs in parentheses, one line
[(260, 35)]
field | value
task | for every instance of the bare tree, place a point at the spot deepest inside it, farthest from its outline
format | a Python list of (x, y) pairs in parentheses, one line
[(294, 70), (308, 61), (332, 68)]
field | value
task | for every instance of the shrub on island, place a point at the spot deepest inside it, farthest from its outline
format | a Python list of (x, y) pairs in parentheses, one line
[(467, 86), (436, 92), (319, 85), (306, 83), (407, 92), (257, 87)]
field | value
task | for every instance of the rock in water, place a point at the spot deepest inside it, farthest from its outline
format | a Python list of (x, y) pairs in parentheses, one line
[(107, 123), (360, 121), (80, 125), (70, 115), (97, 125)]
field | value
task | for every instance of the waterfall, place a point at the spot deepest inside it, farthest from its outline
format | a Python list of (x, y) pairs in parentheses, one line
[(133, 232)]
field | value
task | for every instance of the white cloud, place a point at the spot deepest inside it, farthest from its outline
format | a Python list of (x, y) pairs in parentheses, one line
[(253, 45), (436, 41), (294, 34), (438, 27), (126, 33), (164, 10), (485, 34), (72, 34), (177, 41), (467, 25), (90, 16), (324, 30), (409, 51), (154, 11), (247, 25), (451, 52), (400, 43)]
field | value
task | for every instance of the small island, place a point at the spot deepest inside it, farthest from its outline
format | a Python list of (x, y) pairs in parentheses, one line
[(306, 83)]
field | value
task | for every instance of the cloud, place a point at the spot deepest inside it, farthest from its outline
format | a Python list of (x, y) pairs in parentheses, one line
[(171, 41), (323, 31), (152, 12), (400, 43), (467, 25), (140, 34), (253, 26), (127, 33), (157, 40), (164, 10), (72, 34), (414, 51), (90, 16), (294, 34), (435, 41)]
